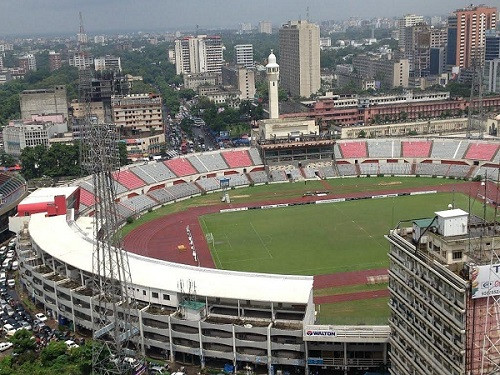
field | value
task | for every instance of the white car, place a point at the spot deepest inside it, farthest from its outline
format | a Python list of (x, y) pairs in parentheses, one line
[(71, 344), (41, 317), (15, 265), (5, 346), (11, 283)]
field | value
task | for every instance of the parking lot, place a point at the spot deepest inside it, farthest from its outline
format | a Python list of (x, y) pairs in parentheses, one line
[(14, 315)]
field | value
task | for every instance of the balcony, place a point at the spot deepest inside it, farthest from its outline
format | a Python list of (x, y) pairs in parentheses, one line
[(251, 337), (56, 277), (43, 269), (215, 333), (69, 284), (154, 323)]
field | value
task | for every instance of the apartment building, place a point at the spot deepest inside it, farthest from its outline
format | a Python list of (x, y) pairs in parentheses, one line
[(471, 25), (244, 55), (390, 72), (137, 113), (265, 27), (241, 78), (55, 61), (200, 54)]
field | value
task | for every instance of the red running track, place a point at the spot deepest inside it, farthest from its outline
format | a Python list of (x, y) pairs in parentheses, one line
[(352, 296), (160, 238)]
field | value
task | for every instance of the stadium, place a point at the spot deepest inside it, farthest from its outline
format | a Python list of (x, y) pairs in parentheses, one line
[(239, 282)]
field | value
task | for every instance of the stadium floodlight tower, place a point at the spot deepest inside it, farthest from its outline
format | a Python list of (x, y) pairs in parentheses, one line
[(112, 301)]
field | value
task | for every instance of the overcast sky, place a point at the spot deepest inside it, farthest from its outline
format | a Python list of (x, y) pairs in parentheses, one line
[(61, 16)]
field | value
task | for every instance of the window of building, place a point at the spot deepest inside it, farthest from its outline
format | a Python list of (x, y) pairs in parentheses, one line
[(154, 294), (143, 292), (166, 297), (457, 255)]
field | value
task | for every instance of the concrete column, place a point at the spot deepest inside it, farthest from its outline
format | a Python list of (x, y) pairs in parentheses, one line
[(171, 340), (202, 357), (239, 312), (234, 349), (72, 310), (345, 358), (269, 351), (385, 354), (306, 347), (141, 330)]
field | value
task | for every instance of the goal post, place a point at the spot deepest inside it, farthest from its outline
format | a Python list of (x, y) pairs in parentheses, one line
[(210, 238)]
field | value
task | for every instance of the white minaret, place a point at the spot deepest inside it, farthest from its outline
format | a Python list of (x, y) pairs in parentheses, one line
[(273, 71)]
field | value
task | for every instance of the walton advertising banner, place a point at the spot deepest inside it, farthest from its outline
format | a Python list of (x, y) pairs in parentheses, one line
[(484, 282)]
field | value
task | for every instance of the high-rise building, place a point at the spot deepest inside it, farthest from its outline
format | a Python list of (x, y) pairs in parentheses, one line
[(390, 73), (492, 48), (108, 63), (99, 39), (491, 76), (200, 54), (1, 62), (133, 114), (437, 62), (28, 62), (245, 27), (444, 295), (244, 55), (240, 78), (55, 61), (81, 60), (472, 23), (439, 37), (451, 47), (408, 20), (44, 101), (265, 27), (300, 58), (417, 48)]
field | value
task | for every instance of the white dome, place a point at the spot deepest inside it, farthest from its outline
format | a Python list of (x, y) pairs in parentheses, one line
[(271, 61)]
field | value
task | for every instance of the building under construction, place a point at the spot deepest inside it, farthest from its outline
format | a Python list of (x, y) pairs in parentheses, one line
[(444, 284)]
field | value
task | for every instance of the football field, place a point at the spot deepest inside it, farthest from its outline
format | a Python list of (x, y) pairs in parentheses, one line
[(317, 239)]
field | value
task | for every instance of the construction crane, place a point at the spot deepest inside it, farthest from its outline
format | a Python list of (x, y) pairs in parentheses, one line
[(114, 327)]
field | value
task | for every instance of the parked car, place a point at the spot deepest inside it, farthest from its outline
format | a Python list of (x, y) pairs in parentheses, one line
[(9, 310), (71, 344), (25, 325), (5, 346), (41, 317), (11, 283), (15, 265), (157, 370), (9, 329)]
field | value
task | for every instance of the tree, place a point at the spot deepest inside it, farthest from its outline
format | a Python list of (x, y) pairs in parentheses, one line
[(7, 160), (22, 341), (122, 151), (53, 351), (32, 161)]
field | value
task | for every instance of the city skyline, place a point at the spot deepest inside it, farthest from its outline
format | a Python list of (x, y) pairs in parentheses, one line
[(30, 17)]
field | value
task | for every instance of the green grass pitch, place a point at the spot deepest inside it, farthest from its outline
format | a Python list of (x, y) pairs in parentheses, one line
[(317, 239)]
